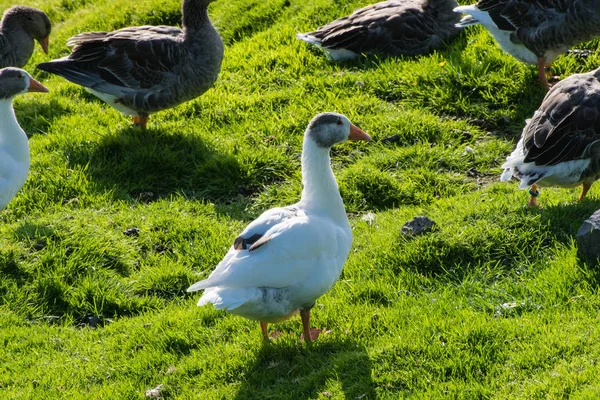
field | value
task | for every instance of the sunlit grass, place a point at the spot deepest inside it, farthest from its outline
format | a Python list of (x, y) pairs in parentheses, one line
[(113, 225)]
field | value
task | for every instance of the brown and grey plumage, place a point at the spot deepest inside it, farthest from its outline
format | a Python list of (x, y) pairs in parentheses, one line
[(145, 69), (19, 27), (536, 31), (389, 28), (560, 144)]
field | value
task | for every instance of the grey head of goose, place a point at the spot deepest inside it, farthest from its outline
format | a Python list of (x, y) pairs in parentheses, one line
[(21, 25), (15, 81), (328, 129)]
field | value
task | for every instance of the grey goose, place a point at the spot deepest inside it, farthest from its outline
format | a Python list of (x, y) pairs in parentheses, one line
[(560, 144), (388, 28), (536, 31), (144, 69), (20, 27)]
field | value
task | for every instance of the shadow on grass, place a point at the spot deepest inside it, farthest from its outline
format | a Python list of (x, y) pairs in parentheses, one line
[(565, 219), (35, 117), (301, 371), (153, 164)]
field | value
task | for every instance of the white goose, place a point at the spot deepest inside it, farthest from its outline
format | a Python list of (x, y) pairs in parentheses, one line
[(14, 147), (288, 257), (560, 144)]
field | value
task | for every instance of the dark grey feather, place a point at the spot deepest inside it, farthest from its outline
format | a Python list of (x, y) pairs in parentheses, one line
[(149, 68), (19, 28), (566, 127), (392, 28)]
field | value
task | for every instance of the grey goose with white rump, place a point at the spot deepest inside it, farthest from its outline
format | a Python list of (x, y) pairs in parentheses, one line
[(144, 69), (560, 144), (536, 31), (389, 28)]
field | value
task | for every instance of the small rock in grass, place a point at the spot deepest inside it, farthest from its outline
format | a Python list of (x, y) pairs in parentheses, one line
[(132, 232), (419, 225), (147, 197), (92, 321), (588, 240), (391, 139)]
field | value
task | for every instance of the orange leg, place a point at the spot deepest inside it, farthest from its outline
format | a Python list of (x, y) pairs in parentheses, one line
[(308, 334), (542, 72), (140, 121), (263, 328), (533, 199), (584, 190)]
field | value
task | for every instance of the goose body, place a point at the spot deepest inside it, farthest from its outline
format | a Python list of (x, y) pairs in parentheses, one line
[(144, 69), (560, 144), (14, 145), (290, 256), (535, 31), (19, 28), (389, 28)]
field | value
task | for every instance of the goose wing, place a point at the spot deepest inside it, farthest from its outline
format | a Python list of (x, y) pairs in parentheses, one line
[(277, 250), (566, 127), (135, 58)]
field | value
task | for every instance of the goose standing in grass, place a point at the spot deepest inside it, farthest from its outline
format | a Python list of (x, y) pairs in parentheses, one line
[(388, 28), (560, 144), (14, 146), (288, 257), (19, 27), (145, 69), (536, 31)]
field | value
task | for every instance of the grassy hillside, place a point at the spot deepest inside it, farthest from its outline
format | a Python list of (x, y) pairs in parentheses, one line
[(113, 224)]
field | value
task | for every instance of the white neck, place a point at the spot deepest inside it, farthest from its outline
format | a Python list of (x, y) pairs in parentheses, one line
[(320, 190), (12, 137)]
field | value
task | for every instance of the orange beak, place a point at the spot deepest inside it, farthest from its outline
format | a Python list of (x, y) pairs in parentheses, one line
[(35, 86), (357, 134), (44, 43)]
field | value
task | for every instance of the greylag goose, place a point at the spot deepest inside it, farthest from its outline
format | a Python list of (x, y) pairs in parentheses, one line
[(14, 146), (288, 257), (19, 27), (560, 144), (144, 69), (388, 28), (536, 31)]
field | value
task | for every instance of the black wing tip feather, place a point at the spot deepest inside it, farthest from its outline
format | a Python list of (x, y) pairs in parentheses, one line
[(70, 72)]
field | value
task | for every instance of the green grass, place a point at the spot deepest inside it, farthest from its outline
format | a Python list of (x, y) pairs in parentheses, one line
[(113, 224)]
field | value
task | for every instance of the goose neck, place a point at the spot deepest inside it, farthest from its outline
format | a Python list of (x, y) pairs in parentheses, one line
[(320, 190), (194, 17), (10, 132)]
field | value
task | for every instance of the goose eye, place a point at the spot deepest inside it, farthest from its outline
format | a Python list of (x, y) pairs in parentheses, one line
[(339, 122), (20, 76)]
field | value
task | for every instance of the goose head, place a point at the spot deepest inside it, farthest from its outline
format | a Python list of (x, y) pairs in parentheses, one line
[(328, 129), (32, 21), (14, 81)]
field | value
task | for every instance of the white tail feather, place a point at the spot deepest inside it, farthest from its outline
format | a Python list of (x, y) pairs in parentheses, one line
[(308, 39), (506, 175)]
